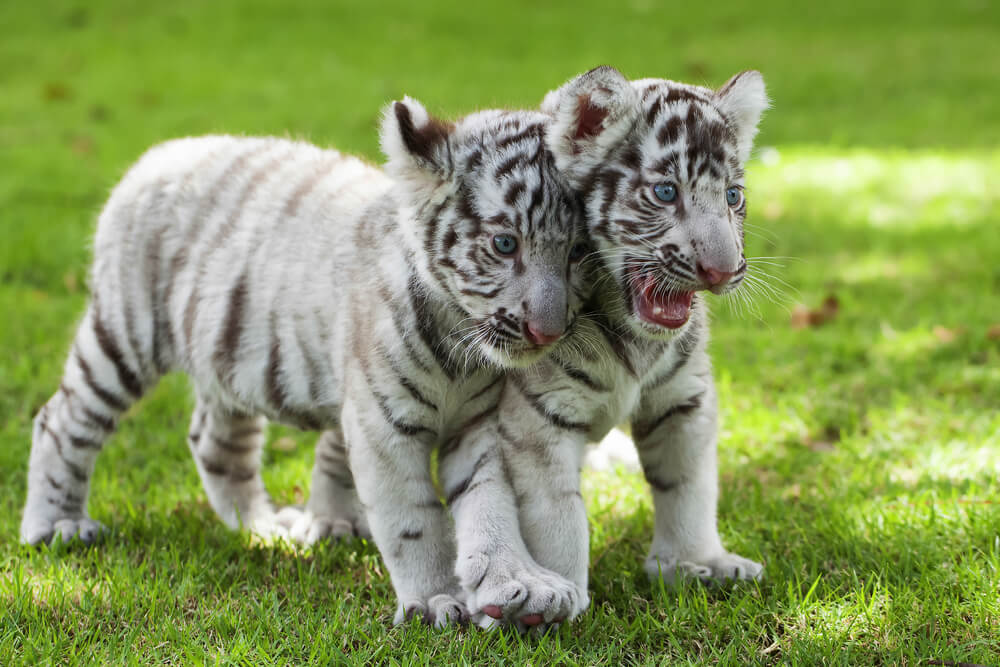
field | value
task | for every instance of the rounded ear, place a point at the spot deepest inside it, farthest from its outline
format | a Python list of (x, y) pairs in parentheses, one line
[(415, 143), (742, 100), (591, 115)]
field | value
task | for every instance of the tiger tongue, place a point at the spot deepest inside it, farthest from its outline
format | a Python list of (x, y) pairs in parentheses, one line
[(666, 309)]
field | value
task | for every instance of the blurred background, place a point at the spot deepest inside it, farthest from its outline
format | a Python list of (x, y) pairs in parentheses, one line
[(859, 374)]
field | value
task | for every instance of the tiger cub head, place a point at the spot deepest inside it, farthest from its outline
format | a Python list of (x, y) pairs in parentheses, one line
[(493, 224), (659, 165)]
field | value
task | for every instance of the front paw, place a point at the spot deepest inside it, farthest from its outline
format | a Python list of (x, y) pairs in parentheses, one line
[(722, 568), (305, 527), (504, 589), (439, 611), (36, 529)]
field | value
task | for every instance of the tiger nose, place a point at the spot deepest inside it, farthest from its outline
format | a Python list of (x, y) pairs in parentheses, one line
[(536, 334), (714, 277)]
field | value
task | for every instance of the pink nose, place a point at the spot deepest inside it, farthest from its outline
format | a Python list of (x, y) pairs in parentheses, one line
[(533, 334), (714, 277)]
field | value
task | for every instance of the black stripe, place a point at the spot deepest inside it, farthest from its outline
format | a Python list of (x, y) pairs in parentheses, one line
[(641, 430), (84, 443), (513, 192), (426, 326), (402, 329), (463, 489), (670, 131), (232, 446), (229, 340), (335, 469), (401, 426), (275, 390), (658, 484), (476, 419), (195, 435), (315, 366), (227, 227), (126, 376), (448, 447), (71, 507), (161, 327), (411, 534), (104, 422), (213, 468), (685, 346), (581, 377), (530, 131), (414, 392), (615, 341), (220, 470), (534, 400), (468, 291), (76, 471), (109, 399), (128, 287)]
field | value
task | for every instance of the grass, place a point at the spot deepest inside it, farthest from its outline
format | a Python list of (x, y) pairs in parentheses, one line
[(860, 458)]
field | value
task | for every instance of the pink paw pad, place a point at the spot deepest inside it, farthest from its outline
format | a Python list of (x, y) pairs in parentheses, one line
[(493, 611)]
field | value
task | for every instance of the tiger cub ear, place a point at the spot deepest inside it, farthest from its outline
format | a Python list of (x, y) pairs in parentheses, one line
[(415, 144), (742, 100), (591, 115)]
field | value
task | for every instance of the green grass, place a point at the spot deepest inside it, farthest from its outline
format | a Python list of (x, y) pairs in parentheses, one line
[(860, 459)]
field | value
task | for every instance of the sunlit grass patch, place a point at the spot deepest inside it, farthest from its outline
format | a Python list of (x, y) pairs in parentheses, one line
[(879, 188), (858, 449)]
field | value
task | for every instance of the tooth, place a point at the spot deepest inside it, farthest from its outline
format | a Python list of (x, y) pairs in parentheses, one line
[(657, 310)]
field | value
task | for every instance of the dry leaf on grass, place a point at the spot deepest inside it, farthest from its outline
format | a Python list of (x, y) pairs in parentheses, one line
[(944, 334), (803, 316), (82, 145), (56, 91)]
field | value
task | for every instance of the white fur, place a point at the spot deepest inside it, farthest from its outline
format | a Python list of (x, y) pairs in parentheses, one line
[(301, 285)]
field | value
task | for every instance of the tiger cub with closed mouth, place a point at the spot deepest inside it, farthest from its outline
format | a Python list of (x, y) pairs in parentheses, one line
[(301, 285)]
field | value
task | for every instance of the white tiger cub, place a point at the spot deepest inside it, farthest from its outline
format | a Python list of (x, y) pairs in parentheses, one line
[(659, 166), (301, 285)]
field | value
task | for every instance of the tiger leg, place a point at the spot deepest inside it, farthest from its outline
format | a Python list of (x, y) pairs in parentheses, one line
[(333, 509), (408, 522), (103, 376), (227, 447), (676, 444), (503, 582)]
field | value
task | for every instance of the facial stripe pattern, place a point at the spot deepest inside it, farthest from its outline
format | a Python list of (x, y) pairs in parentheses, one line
[(296, 284), (659, 169)]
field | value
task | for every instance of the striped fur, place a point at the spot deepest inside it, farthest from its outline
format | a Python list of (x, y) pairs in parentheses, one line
[(300, 285), (615, 140)]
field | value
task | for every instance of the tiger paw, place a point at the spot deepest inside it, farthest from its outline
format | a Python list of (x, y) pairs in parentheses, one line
[(512, 591), (722, 568), (307, 528), (44, 530), (439, 611)]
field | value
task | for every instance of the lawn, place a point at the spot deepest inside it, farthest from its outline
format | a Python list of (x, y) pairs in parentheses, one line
[(860, 449)]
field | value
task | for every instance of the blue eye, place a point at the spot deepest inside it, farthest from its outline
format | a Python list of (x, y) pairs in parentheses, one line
[(665, 192), (578, 250), (505, 244), (734, 197)]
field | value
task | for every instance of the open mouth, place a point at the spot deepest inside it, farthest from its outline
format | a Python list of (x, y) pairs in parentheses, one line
[(655, 305)]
